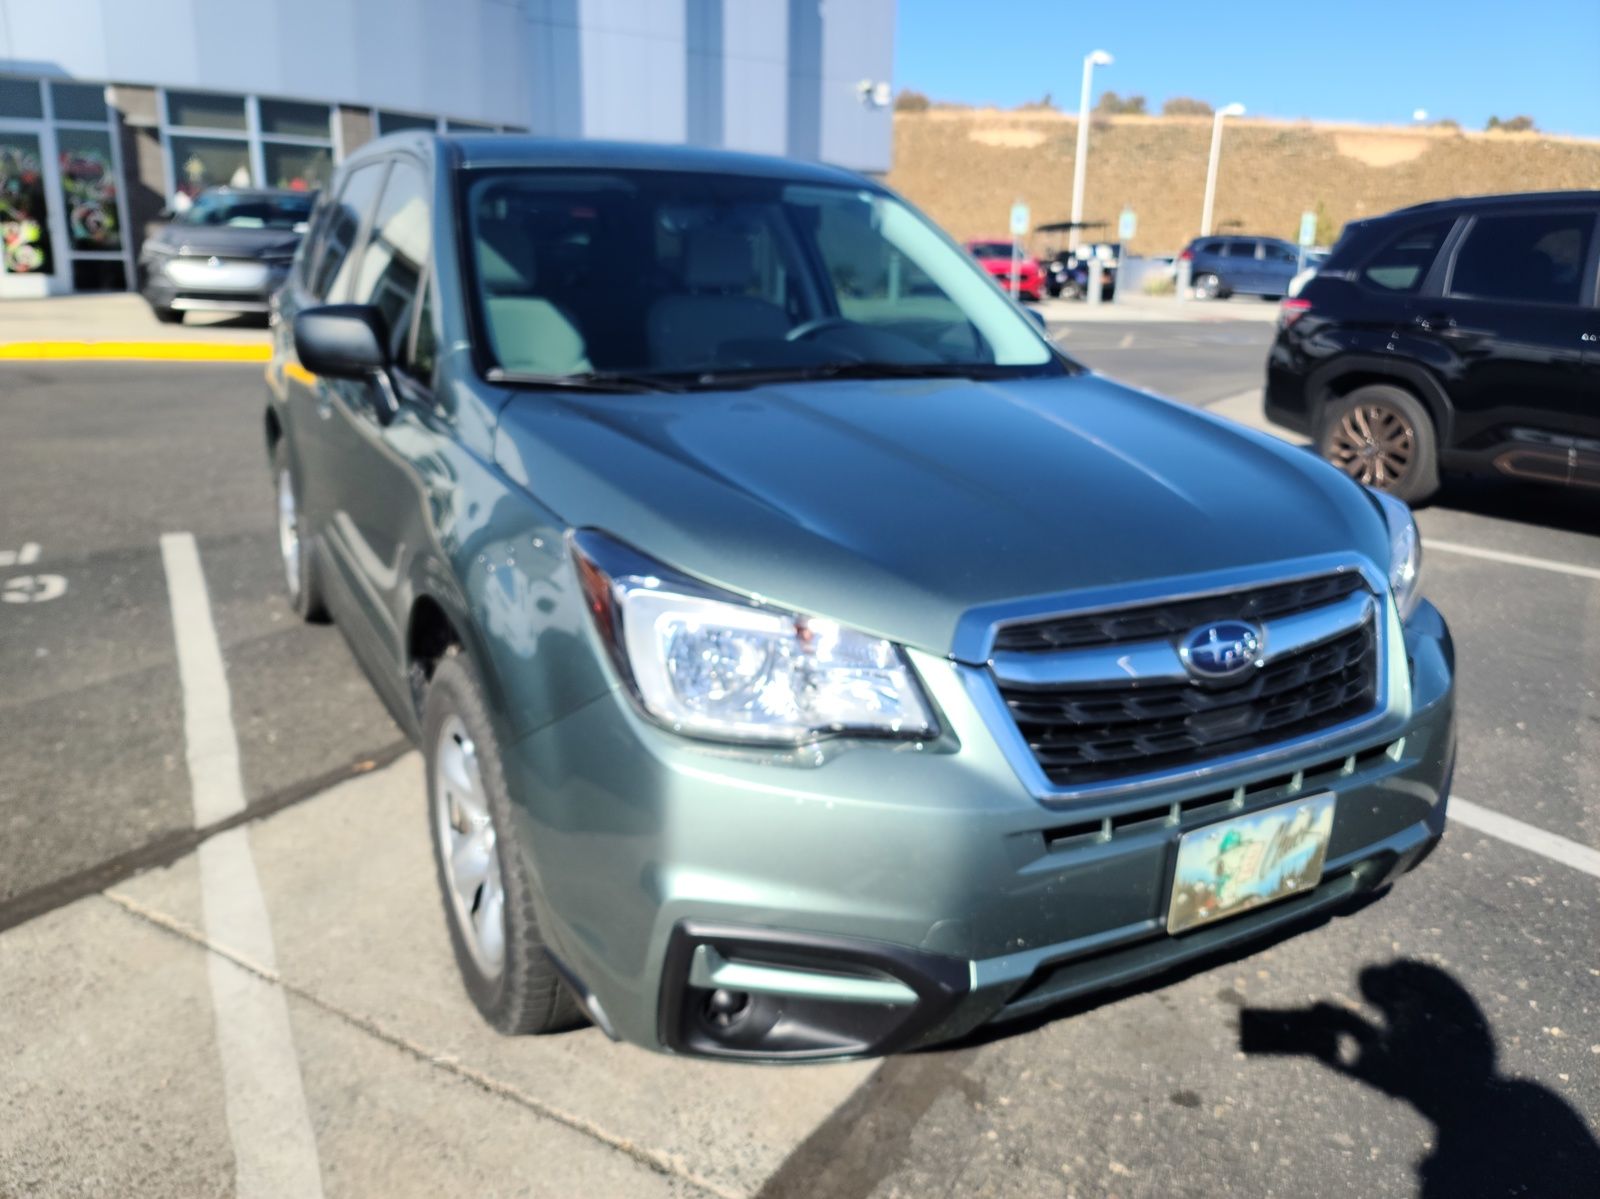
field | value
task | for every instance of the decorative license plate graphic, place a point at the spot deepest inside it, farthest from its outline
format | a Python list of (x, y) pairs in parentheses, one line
[(1227, 868)]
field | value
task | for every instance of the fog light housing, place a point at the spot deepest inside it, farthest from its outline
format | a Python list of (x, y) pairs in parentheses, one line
[(759, 994)]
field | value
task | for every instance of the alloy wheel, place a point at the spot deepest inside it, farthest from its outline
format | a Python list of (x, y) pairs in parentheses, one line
[(1373, 444), (467, 838)]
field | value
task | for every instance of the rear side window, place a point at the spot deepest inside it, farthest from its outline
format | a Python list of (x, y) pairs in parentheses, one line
[(1532, 257), (340, 229), (1277, 251), (1402, 264), (1210, 247), (1242, 249)]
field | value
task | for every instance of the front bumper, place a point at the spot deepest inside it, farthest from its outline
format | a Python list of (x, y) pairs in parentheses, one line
[(867, 897), (194, 292)]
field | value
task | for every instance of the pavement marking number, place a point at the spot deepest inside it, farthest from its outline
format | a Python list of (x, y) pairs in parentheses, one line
[(26, 556), (274, 1147), (32, 589)]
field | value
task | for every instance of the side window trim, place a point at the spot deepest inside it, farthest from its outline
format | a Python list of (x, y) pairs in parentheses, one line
[(1586, 292)]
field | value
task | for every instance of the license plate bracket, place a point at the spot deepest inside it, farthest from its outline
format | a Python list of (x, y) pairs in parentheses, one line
[(1247, 861)]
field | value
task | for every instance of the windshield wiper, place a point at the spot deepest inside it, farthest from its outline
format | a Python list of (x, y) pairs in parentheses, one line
[(613, 382)]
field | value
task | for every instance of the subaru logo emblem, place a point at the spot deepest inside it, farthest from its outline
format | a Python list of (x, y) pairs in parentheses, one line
[(1222, 650)]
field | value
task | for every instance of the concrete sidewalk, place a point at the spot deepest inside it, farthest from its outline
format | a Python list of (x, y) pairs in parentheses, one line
[(120, 325)]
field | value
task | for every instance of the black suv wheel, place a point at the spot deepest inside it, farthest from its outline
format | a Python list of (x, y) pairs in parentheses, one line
[(1382, 436)]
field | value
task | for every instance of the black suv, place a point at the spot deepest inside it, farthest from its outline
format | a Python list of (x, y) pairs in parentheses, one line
[(1460, 335)]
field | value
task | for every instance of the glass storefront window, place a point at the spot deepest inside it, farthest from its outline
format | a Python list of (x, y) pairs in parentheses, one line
[(78, 101), (299, 168), (468, 127), (89, 188), (290, 119), (24, 230), (202, 162), (394, 122), (20, 98), (205, 110)]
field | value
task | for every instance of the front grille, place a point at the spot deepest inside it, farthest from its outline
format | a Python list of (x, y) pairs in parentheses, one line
[(1085, 734), (1170, 618)]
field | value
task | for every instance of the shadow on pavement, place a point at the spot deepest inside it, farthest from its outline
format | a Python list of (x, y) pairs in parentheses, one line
[(1435, 1050), (1572, 509)]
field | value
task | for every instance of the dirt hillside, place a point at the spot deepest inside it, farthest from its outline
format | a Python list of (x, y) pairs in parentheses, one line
[(966, 167)]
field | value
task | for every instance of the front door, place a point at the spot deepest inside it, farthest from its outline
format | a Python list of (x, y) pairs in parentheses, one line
[(1517, 303)]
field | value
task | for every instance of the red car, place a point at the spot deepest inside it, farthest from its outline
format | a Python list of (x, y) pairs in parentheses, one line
[(996, 259)]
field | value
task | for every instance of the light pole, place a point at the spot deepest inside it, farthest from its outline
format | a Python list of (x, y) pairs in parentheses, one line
[(1096, 58), (1232, 110)]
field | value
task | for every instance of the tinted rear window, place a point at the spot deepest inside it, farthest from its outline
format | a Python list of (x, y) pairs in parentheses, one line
[(1242, 249), (1403, 261), (1533, 257)]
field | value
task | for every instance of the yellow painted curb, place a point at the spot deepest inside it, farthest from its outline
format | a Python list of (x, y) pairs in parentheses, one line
[(136, 351)]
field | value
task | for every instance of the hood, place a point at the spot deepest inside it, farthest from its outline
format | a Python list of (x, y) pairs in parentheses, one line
[(897, 506), (225, 241)]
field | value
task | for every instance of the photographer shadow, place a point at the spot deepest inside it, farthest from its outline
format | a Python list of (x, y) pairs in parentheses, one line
[(1434, 1049)]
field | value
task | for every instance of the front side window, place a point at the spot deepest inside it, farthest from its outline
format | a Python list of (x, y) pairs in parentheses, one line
[(343, 226), (1534, 257), (1403, 262), (1242, 249), (727, 276), (396, 252)]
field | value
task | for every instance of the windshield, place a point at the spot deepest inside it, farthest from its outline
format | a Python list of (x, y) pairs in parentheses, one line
[(250, 212), (699, 278), (991, 249)]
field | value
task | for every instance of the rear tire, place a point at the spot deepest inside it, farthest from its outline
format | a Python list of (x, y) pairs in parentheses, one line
[(1208, 287), (168, 316), (1382, 436), (295, 551), (488, 896)]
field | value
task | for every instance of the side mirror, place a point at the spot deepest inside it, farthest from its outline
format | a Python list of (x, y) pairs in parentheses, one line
[(1038, 318), (166, 214), (342, 341)]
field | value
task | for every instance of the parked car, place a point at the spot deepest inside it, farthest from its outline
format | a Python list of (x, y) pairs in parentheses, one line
[(808, 659), (1067, 272), (1461, 335), (995, 257), (227, 252), (1253, 266)]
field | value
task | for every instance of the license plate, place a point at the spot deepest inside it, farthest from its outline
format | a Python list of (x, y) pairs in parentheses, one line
[(1227, 868), (219, 276)]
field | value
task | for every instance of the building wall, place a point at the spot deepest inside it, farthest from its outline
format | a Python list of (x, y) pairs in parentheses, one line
[(774, 76)]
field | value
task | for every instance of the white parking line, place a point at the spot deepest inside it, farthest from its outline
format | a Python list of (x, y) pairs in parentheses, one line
[(275, 1151), (1550, 564), (1525, 836)]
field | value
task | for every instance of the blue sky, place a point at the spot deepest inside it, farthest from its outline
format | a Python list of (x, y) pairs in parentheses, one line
[(1358, 60)]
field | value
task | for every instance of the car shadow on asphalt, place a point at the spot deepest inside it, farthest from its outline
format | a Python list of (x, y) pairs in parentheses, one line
[(1433, 1048), (1570, 509)]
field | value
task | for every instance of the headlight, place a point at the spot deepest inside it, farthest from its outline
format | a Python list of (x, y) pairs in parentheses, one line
[(1405, 554), (710, 664)]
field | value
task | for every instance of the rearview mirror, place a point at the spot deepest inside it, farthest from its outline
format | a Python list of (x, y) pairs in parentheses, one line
[(342, 341)]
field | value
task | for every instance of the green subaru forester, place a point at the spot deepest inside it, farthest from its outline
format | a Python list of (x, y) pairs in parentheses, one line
[(810, 660)]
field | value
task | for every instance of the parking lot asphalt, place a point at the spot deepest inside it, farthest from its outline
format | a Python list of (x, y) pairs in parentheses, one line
[(1474, 986)]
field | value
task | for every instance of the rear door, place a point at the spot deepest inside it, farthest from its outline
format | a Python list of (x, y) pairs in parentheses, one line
[(1241, 269), (1512, 321)]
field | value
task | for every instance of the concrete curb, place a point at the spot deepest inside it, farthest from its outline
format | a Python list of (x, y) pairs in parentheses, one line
[(135, 351)]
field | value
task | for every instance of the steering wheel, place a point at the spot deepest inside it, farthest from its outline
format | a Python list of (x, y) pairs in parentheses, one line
[(817, 325)]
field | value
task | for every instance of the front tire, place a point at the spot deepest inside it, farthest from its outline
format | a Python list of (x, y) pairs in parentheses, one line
[(168, 316), (483, 878), (1382, 436), (299, 561)]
